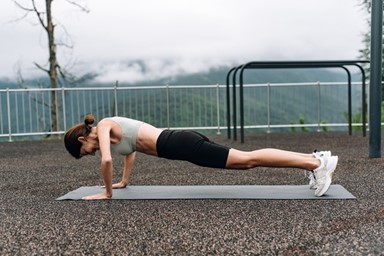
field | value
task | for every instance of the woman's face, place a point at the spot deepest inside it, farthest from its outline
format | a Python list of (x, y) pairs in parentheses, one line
[(89, 146)]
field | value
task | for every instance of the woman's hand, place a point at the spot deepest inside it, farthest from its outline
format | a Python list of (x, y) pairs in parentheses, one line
[(97, 197), (121, 184)]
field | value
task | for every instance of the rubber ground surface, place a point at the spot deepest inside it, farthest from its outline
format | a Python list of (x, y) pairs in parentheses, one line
[(34, 173)]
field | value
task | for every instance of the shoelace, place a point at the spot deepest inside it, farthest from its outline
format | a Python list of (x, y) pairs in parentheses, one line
[(309, 174)]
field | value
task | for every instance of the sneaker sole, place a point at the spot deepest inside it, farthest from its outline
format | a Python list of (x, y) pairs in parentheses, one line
[(329, 180), (313, 185)]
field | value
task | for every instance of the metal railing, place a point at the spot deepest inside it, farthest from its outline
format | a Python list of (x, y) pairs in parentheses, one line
[(28, 112)]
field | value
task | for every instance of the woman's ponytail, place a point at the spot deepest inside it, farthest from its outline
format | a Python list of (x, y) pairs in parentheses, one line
[(88, 121)]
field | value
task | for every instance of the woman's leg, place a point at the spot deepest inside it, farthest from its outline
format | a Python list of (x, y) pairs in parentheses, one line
[(269, 157)]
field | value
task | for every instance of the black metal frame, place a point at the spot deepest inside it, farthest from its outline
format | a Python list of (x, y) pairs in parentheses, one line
[(289, 65)]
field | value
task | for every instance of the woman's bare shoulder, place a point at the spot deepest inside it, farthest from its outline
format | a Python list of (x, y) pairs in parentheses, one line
[(108, 127), (106, 124), (106, 121)]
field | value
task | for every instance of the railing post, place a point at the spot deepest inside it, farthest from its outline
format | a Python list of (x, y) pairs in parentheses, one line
[(167, 87), (64, 112), (318, 106), (269, 107), (218, 108), (115, 90), (9, 116)]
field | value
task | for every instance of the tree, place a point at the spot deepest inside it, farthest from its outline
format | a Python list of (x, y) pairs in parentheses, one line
[(45, 19), (366, 52)]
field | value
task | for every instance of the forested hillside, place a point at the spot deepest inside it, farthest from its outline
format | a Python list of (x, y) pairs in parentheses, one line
[(215, 76)]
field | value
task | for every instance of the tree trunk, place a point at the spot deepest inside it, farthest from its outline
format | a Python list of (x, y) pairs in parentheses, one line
[(52, 67)]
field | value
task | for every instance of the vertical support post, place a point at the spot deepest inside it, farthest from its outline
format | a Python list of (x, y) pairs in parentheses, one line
[(241, 100), (1, 116), (229, 104), (349, 102), (234, 104), (218, 108), (364, 102), (9, 116), (375, 79)]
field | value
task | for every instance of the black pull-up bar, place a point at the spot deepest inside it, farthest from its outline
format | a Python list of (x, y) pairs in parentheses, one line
[(291, 64)]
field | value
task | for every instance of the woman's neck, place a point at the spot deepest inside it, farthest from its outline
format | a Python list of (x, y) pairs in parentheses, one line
[(93, 133)]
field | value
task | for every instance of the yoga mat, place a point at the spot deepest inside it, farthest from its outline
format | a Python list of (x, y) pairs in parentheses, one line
[(288, 192)]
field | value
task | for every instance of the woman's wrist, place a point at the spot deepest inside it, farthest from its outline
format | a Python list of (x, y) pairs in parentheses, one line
[(108, 195)]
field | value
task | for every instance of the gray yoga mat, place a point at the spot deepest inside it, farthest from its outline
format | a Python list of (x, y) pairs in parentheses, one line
[(212, 192)]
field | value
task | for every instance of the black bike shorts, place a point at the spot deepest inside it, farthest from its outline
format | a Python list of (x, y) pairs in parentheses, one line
[(193, 147)]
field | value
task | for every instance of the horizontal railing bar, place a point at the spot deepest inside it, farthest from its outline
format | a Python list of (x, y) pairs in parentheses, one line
[(33, 134), (299, 84), (111, 88), (32, 89), (302, 125), (170, 87)]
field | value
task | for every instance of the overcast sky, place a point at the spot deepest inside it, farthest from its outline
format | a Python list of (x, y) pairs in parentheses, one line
[(175, 36)]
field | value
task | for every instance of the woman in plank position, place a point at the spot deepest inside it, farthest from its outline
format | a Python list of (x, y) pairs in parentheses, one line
[(126, 136)]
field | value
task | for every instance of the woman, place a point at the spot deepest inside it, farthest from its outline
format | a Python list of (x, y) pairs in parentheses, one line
[(126, 136)]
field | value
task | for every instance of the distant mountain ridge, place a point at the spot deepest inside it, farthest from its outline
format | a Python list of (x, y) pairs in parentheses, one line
[(214, 76)]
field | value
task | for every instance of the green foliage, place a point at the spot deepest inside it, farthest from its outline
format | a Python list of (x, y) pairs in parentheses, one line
[(356, 118), (305, 129), (302, 122), (324, 128), (365, 53), (382, 111)]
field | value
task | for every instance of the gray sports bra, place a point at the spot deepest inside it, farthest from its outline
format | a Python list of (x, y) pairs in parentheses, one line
[(129, 128)]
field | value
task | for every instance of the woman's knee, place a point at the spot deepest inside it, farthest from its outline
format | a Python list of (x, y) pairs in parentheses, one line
[(238, 159)]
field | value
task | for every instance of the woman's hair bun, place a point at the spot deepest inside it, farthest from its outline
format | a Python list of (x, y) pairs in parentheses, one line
[(89, 119)]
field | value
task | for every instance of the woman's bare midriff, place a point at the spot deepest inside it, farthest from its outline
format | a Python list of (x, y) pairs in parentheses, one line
[(147, 138)]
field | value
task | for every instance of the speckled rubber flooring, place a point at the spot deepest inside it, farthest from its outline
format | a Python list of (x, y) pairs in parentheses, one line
[(33, 174)]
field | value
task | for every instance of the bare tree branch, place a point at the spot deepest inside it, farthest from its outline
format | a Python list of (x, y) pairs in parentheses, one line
[(62, 73), (84, 9), (27, 11), (20, 79), (40, 67), (22, 84), (22, 7), (19, 19), (61, 42), (39, 14)]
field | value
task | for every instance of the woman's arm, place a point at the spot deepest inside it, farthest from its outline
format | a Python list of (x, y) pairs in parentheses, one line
[(128, 164), (103, 134)]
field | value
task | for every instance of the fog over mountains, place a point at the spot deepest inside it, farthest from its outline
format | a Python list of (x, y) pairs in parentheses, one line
[(172, 72)]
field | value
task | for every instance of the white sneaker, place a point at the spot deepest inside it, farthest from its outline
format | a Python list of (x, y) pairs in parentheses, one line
[(323, 174), (311, 176), (312, 180), (320, 153)]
